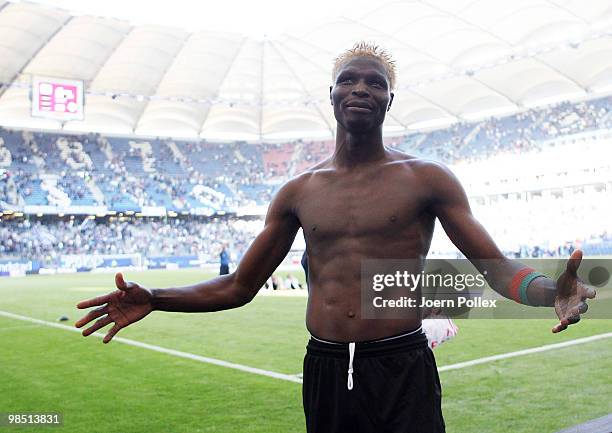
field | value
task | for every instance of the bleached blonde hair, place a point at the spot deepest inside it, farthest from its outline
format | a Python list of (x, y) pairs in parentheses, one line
[(366, 49)]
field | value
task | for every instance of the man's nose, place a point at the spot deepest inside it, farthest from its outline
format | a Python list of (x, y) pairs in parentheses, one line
[(360, 90)]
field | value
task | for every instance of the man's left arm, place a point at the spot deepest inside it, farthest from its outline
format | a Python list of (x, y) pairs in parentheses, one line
[(450, 205)]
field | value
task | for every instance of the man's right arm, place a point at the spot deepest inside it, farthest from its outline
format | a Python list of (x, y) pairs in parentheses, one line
[(259, 262), (132, 302)]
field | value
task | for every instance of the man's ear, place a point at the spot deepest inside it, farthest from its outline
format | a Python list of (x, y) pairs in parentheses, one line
[(390, 101), (330, 98)]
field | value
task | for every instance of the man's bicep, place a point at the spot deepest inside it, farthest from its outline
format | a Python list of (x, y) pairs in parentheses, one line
[(451, 206)]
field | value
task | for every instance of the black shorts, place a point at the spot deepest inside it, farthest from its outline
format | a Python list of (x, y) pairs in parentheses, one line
[(224, 270), (395, 387)]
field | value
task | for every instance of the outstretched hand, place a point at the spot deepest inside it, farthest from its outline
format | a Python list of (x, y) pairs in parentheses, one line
[(122, 307), (572, 294)]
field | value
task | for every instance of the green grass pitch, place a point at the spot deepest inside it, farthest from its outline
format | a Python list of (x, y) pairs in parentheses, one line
[(120, 388)]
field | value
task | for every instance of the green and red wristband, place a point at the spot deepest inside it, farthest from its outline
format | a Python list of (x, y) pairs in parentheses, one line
[(519, 283)]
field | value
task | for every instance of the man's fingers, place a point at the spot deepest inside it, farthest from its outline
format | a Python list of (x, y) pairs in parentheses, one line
[(577, 310), (589, 293), (558, 328), (113, 331), (574, 262), (561, 326), (121, 283), (100, 323), (93, 314), (99, 300), (564, 323)]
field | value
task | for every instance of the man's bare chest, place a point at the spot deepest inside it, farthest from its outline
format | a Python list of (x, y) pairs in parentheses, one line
[(371, 207)]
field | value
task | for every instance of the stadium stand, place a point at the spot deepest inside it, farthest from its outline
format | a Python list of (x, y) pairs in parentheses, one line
[(48, 241), (524, 131), (70, 194)]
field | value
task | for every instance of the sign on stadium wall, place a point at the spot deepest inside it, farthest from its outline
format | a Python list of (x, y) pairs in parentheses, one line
[(57, 98), (68, 210), (87, 262), (153, 211), (18, 267), (203, 211)]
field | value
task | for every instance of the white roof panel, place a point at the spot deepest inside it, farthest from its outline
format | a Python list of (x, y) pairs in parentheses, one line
[(456, 59)]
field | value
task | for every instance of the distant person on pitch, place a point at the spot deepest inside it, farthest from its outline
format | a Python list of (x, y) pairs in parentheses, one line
[(364, 201), (224, 259)]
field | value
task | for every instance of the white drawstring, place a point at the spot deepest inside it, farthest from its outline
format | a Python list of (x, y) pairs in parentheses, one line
[(350, 369), (349, 384)]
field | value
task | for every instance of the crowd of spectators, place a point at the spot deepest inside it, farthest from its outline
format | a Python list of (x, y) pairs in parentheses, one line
[(48, 241), (542, 225), (527, 130), (158, 172), (183, 175), (135, 172)]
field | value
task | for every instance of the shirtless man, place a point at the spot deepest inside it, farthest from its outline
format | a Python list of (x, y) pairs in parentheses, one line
[(364, 201)]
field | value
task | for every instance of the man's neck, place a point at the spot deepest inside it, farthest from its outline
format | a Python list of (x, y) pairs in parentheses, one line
[(358, 149)]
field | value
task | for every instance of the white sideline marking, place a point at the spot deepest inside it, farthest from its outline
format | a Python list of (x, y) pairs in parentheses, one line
[(154, 348), (539, 349), (296, 378)]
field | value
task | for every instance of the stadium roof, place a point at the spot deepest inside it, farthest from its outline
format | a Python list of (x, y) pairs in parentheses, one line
[(457, 60)]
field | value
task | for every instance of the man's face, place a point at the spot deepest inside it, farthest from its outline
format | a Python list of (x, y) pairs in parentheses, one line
[(360, 95)]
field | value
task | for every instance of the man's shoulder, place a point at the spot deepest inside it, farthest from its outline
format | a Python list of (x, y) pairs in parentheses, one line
[(292, 191), (292, 188), (325, 164), (420, 166), (304, 177)]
